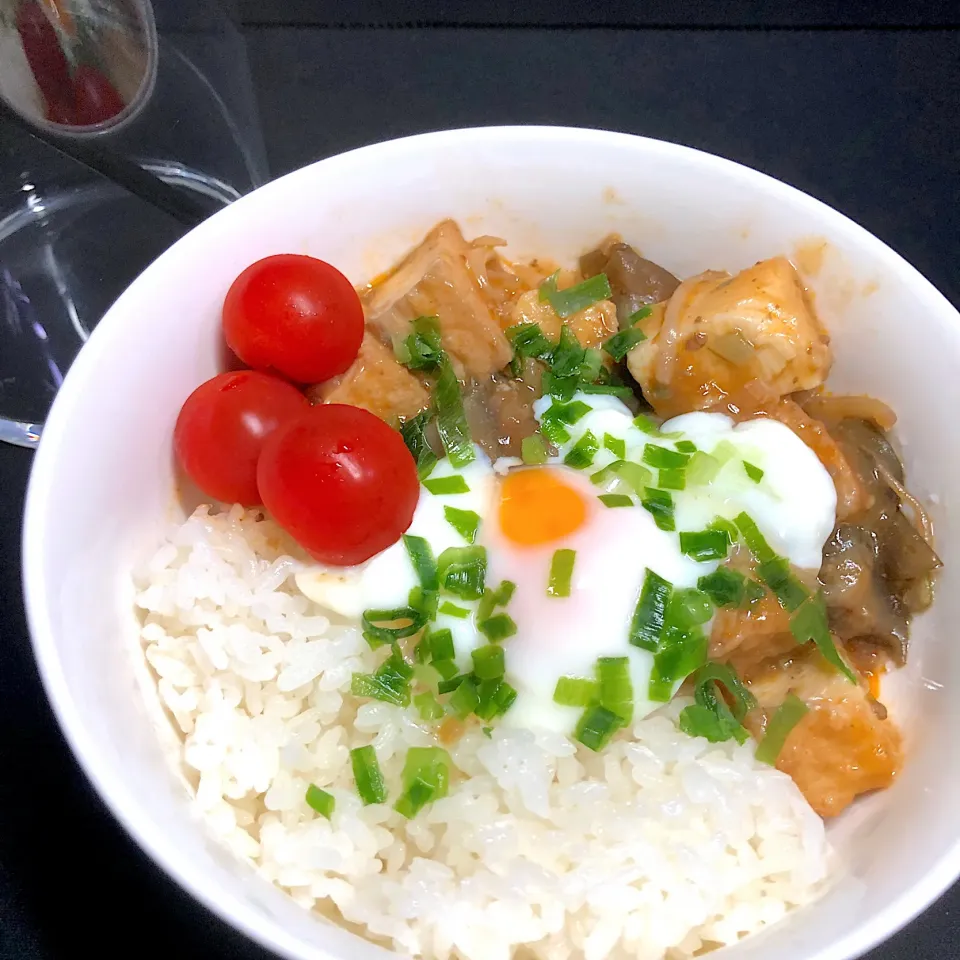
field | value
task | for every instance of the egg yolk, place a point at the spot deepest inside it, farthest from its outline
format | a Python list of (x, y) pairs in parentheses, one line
[(537, 506)]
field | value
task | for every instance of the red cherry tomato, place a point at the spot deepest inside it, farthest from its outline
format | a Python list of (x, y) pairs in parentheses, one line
[(41, 46), (95, 99), (296, 315), (223, 426), (340, 482)]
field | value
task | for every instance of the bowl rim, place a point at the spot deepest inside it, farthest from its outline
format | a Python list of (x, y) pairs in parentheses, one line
[(39, 601)]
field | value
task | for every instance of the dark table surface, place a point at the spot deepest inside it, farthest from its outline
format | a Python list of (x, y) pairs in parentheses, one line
[(863, 119)]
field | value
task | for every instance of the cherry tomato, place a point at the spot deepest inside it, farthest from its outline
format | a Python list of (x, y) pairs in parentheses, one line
[(340, 482), (41, 46), (296, 315), (223, 426), (95, 99)]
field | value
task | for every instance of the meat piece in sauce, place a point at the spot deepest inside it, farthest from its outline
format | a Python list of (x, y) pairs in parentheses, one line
[(634, 281), (499, 411), (436, 280), (376, 382), (843, 747), (731, 343)]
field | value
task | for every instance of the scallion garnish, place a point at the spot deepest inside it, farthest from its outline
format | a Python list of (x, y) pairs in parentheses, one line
[(779, 727), (596, 727), (754, 538), (447, 669), (616, 445), (725, 587), (581, 454), (426, 777), (659, 503), (572, 300), (427, 706), (752, 471), (568, 356), (452, 610), (423, 601), (688, 608), (528, 340), (319, 800), (575, 692), (449, 684), (390, 683), (632, 474), (440, 644), (561, 388), (559, 416), (446, 486), (648, 426), (710, 716), (462, 571), (701, 469), (785, 586), (681, 651), (421, 556), (386, 626), (620, 344), (367, 775), (498, 627), (727, 526), (616, 688), (488, 662), (422, 349), (591, 366), (810, 623), (561, 573), (414, 436), (672, 479), (639, 315), (533, 450), (649, 617), (496, 698), (495, 598), (465, 699), (686, 446), (465, 522), (663, 458), (451, 420), (704, 545), (615, 500)]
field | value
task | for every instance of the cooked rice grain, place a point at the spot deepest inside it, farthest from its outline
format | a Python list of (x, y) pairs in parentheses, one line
[(660, 846)]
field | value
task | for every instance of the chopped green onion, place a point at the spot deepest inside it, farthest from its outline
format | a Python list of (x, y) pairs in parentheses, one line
[(414, 436), (779, 727), (447, 669), (421, 556), (572, 300), (581, 454), (620, 344), (688, 608), (465, 522), (647, 425), (533, 450), (615, 500), (488, 662), (724, 452), (615, 445), (632, 474), (786, 587), (810, 623), (727, 526), (753, 472), (704, 545), (661, 458), (558, 416), (697, 720), (725, 587), (640, 314), (452, 610), (324, 803), (562, 388), (672, 479), (495, 598), (561, 573), (568, 357), (754, 538), (367, 775), (465, 699), (616, 688), (487, 732), (449, 684), (440, 644), (610, 389), (426, 777), (451, 420), (711, 717), (686, 446), (713, 673), (649, 617), (679, 654), (445, 486), (498, 627), (592, 365), (701, 469), (423, 601), (659, 503), (575, 692), (422, 349), (369, 685), (427, 707), (528, 340), (596, 727), (753, 592), (376, 633), (462, 571), (496, 698)]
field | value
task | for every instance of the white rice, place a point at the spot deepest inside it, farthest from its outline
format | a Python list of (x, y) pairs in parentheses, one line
[(663, 845)]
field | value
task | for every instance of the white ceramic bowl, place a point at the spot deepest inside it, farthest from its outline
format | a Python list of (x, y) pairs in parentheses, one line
[(102, 483)]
